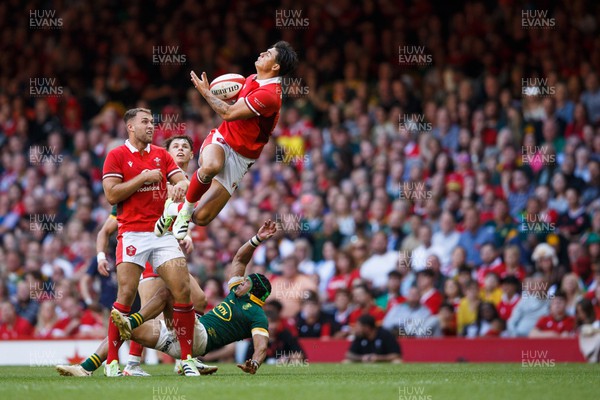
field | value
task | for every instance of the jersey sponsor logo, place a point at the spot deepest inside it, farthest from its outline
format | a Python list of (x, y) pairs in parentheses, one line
[(131, 250), (148, 188), (212, 332), (221, 140), (246, 306), (130, 163), (223, 311)]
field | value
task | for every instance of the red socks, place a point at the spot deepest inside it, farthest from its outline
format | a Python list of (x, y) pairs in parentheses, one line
[(196, 189), (183, 323), (114, 339), (135, 349)]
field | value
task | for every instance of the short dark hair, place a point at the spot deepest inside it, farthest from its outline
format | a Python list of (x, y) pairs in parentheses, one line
[(560, 295), (367, 320), (170, 140), (130, 114), (286, 57), (261, 287)]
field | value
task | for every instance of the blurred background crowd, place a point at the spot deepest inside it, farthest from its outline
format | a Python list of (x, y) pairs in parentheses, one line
[(457, 197)]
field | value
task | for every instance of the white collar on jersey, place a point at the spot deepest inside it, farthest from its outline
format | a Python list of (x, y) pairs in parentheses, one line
[(263, 82), (133, 149)]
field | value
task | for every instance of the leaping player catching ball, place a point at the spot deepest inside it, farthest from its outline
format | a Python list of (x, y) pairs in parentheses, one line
[(230, 150)]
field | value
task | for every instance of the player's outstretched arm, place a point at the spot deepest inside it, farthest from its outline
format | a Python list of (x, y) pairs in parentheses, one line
[(229, 112), (117, 191), (110, 226), (244, 254), (260, 352)]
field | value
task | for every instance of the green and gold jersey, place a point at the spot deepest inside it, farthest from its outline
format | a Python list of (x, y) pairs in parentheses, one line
[(236, 318), (113, 212)]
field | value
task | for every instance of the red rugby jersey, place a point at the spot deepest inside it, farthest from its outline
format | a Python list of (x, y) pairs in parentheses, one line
[(248, 136), (547, 323), (140, 211)]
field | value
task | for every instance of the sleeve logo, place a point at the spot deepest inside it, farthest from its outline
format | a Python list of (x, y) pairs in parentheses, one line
[(223, 311)]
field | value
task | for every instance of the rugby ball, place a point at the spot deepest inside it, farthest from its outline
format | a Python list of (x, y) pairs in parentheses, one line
[(228, 86)]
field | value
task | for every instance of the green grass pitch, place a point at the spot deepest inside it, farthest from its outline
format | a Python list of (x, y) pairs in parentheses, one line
[(317, 381)]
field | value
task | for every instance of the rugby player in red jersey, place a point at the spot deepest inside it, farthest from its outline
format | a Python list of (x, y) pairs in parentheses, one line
[(230, 150), (135, 178), (181, 149)]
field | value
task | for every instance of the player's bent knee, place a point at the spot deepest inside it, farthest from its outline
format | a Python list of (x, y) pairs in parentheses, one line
[(210, 168)]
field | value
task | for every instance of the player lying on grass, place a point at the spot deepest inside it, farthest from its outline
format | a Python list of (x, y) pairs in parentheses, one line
[(238, 317), (229, 151), (181, 149)]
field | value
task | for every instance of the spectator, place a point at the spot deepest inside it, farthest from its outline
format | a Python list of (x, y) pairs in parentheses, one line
[(363, 299), (490, 262), (446, 239), (377, 267), (591, 97), (546, 262), (410, 318), (392, 296), (510, 296), (214, 292), (345, 274), (77, 323), (520, 192), (473, 237), (447, 320), (46, 320), (588, 328), (466, 314), (491, 292), (430, 296), (533, 305), (572, 290), (486, 323), (575, 220), (452, 293), (511, 265), (25, 306), (291, 288), (303, 253), (373, 344), (341, 313), (311, 321), (558, 323), (423, 250), (11, 325)]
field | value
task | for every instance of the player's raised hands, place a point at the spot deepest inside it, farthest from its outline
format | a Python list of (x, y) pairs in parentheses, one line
[(267, 231), (200, 83)]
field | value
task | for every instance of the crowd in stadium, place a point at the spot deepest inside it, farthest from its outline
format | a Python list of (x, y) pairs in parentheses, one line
[(446, 199)]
